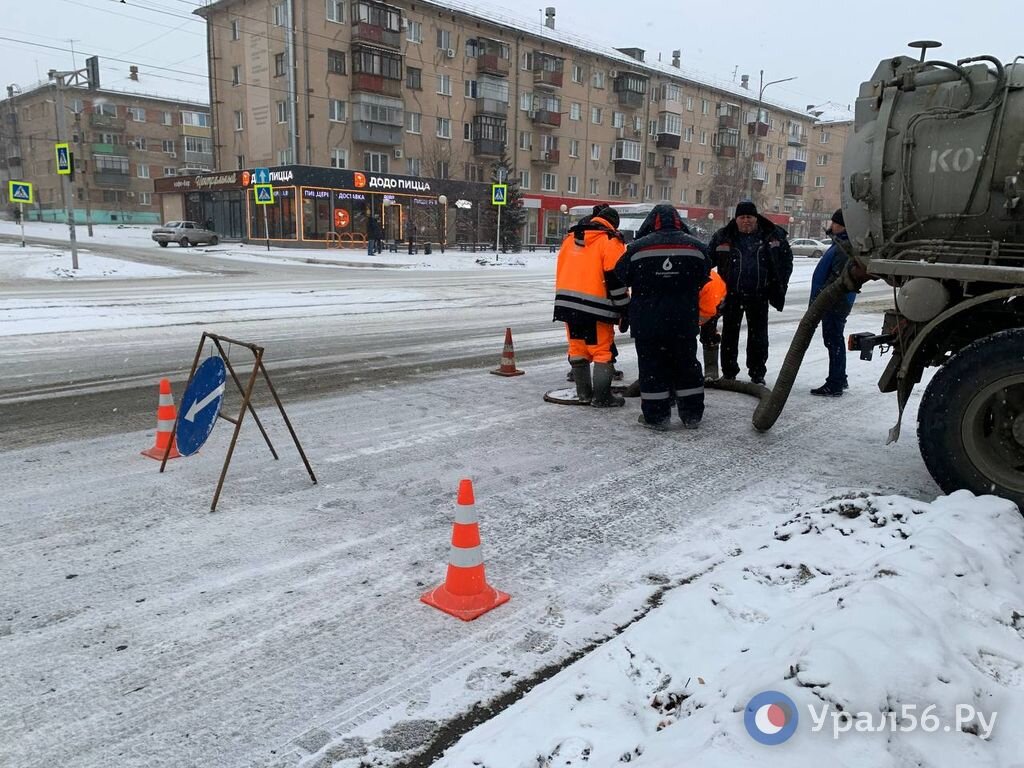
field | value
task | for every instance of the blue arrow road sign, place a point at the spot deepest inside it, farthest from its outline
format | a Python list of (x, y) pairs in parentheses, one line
[(200, 405), (261, 176)]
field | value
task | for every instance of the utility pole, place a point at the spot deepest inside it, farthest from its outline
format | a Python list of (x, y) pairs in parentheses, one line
[(757, 129), (85, 176), (62, 132)]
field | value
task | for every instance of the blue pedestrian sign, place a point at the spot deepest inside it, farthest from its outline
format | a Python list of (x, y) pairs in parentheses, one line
[(261, 176), (499, 194), (264, 194), (63, 159), (200, 405), (19, 192)]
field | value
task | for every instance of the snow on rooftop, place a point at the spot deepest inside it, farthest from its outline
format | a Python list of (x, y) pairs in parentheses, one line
[(830, 112)]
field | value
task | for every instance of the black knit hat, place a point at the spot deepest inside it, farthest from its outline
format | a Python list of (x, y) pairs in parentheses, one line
[(746, 208), (837, 217), (607, 213)]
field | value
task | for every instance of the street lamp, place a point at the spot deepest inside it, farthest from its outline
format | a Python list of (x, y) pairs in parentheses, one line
[(757, 118), (443, 200), (564, 210)]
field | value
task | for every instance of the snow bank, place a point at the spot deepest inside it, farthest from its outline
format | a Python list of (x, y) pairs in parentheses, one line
[(871, 605)]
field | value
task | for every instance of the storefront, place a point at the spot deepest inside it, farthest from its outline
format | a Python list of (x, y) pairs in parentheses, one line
[(320, 205)]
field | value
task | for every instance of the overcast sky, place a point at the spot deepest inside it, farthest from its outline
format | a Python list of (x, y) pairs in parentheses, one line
[(830, 50)]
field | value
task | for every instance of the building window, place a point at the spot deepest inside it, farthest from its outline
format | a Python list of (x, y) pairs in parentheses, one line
[(376, 61), (700, 167), (414, 78), (469, 88), (577, 73), (596, 114), (414, 33), (236, 29), (686, 165), (597, 80), (627, 150), (279, 68), (240, 162), (335, 62), (239, 121), (688, 133), (595, 151), (441, 169), (167, 147), (145, 198), (236, 76), (138, 114), (689, 108), (412, 122), (819, 181), (574, 148), (444, 85), (704, 137), (336, 12), (614, 188), (698, 197), (575, 111), (338, 111), (572, 185), (548, 182), (197, 119), (682, 196), (467, 134), (444, 39), (444, 128), (105, 108), (140, 142), (822, 159), (666, 192), (525, 140), (339, 158), (593, 187), (280, 15), (282, 111), (375, 162), (143, 171), (413, 166), (618, 120), (705, 106), (170, 171), (825, 136), (524, 179)]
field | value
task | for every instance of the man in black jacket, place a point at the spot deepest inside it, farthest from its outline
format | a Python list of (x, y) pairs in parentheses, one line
[(665, 268), (754, 258)]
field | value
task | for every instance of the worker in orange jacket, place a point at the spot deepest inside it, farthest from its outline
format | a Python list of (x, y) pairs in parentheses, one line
[(591, 300)]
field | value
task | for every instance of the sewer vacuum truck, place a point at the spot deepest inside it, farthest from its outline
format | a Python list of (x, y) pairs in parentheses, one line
[(933, 200)]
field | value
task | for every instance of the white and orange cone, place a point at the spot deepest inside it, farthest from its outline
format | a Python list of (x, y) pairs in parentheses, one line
[(165, 418), (465, 593), (508, 358)]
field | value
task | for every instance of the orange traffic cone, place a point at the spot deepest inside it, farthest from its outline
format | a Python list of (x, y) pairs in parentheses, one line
[(165, 416), (465, 593), (508, 358)]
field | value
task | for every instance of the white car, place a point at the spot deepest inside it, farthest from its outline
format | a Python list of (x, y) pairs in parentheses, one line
[(184, 233), (808, 246)]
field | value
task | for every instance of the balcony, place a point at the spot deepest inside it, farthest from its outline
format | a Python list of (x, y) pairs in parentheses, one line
[(492, 64), (626, 167), (723, 150), (632, 99), (544, 117), (485, 106), (793, 190), (103, 149), (758, 157), (731, 121), (547, 157), (199, 159), (759, 171), (367, 132), (488, 147), (111, 178), (760, 129), (666, 173), (797, 139), (546, 78), (668, 141), (376, 84), (371, 33), (97, 120)]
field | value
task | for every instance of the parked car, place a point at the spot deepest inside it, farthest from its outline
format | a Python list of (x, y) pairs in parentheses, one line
[(184, 233), (808, 246)]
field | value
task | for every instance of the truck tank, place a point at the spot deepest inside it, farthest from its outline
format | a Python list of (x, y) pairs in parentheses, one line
[(932, 188)]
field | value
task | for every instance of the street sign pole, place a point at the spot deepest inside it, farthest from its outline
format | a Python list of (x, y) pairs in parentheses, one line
[(69, 200), (266, 227), (21, 216), (497, 243)]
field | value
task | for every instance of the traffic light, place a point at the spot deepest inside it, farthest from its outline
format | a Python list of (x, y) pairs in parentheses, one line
[(92, 72)]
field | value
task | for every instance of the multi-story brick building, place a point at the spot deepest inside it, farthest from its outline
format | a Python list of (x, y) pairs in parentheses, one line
[(436, 89), (120, 142)]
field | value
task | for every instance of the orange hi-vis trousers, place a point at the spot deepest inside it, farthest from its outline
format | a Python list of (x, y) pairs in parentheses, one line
[(592, 353)]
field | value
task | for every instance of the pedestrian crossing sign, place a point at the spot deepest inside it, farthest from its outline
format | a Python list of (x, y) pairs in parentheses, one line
[(63, 159), (264, 194), (499, 194), (20, 192)]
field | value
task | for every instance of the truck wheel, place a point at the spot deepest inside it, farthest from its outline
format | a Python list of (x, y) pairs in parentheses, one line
[(970, 425)]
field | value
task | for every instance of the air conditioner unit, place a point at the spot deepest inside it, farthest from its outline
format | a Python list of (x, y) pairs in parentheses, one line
[(531, 114), (131, 144), (637, 132), (545, 155), (450, 53), (172, 154), (129, 194), (398, 153), (613, 73)]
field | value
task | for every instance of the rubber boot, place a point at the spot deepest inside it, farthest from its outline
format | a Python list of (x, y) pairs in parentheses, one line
[(711, 362), (603, 397), (581, 375)]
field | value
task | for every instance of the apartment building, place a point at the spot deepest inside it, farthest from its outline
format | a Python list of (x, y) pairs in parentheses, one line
[(436, 89), (120, 141)]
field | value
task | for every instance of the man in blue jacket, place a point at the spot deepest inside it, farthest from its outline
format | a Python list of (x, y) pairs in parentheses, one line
[(833, 323), (754, 258), (665, 268)]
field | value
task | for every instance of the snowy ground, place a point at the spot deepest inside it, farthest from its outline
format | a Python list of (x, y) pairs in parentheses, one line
[(681, 572)]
